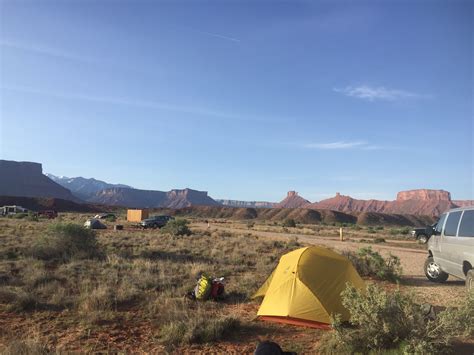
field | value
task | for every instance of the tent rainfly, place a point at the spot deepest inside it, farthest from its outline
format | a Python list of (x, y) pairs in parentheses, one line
[(305, 288)]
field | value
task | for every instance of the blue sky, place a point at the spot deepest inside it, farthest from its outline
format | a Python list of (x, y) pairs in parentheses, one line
[(246, 100)]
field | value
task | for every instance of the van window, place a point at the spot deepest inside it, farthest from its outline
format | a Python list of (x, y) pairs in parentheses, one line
[(466, 228), (439, 224), (452, 224)]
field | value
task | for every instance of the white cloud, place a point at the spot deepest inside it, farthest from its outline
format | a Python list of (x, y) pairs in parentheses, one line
[(338, 145), (369, 93), (227, 38), (157, 105), (40, 49)]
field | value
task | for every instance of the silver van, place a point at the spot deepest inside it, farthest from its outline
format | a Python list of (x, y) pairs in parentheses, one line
[(451, 248)]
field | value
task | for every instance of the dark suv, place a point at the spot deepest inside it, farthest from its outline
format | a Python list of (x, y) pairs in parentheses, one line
[(155, 221), (423, 234)]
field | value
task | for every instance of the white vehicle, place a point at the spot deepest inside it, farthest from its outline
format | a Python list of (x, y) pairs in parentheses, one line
[(451, 248), (11, 210)]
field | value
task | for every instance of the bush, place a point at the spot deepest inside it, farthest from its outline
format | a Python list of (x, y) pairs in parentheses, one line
[(355, 227), (370, 263), (290, 223), (32, 217), (383, 321), (399, 231), (19, 215), (111, 218), (65, 241), (177, 227), (192, 331), (17, 299)]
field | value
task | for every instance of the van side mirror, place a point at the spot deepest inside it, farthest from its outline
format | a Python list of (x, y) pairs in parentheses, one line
[(431, 230)]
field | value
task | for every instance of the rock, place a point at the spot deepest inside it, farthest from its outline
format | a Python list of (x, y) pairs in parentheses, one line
[(129, 197), (415, 202), (424, 195), (26, 179), (293, 200), (463, 203)]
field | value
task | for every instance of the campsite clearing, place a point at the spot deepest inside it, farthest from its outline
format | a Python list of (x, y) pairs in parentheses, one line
[(131, 299)]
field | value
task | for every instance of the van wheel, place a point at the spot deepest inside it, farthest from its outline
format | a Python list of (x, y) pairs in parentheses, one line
[(433, 271), (470, 281), (422, 239)]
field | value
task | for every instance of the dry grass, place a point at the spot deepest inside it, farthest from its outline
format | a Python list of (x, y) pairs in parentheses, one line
[(130, 299), (142, 274)]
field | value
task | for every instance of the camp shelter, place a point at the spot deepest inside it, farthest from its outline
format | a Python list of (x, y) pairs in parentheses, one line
[(136, 215), (94, 224), (305, 288)]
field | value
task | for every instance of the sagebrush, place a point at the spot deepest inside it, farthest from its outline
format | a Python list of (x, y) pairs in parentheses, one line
[(381, 320), (370, 263)]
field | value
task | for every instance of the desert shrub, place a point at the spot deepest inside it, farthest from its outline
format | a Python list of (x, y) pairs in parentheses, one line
[(177, 227), (26, 347), (289, 223), (405, 230), (32, 217), (17, 299), (371, 230), (192, 331), (379, 240), (100, 298), (111, 218), (19, 215), (292, 243), (370, 263), (383, 321), (250, 225), (399, 231), (355, 227), (65, 241), (449, 324)]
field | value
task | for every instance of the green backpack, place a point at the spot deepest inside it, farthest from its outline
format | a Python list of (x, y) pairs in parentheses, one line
[(203, 288)]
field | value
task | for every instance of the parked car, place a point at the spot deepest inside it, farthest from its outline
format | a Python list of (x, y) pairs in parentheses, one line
[(451, 248), (50, 214), (423, 234), (155, 221)]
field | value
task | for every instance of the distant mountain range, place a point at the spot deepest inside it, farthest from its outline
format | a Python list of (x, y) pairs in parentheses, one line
[(26, 179), (417, 202), (82, 187), (129, 197)]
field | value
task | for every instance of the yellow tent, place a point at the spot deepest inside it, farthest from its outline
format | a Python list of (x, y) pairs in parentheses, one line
[(305, 288)]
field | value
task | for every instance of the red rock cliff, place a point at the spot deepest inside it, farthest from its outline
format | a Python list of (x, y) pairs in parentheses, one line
[(424, 195)]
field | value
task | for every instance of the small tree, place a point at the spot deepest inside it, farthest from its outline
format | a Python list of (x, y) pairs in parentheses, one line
[(290, 222), (177, 227)]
